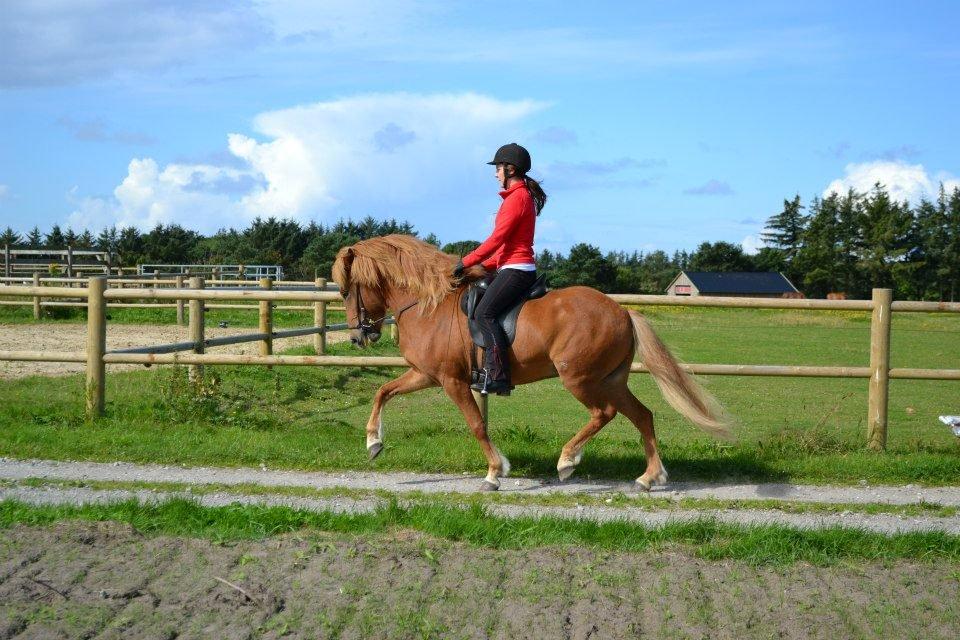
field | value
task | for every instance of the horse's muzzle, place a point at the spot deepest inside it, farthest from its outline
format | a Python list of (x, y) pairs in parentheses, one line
[(361, 338)]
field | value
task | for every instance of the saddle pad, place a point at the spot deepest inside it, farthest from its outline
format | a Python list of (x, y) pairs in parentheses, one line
[(507, 319)]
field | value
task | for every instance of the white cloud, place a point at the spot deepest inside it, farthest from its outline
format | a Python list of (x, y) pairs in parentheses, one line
[(751, 244), (179, 193), (322, 160), (903, 181), (4, 191)]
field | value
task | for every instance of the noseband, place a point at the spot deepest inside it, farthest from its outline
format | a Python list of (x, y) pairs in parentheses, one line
[(364, 323)]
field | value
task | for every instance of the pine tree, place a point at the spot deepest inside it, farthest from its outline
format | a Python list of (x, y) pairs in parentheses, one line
[(10, 238), (108, 239), (887, 226), (784, 230), (850, 240), (818, 259), (85, 240), (34, 238), (55, 239), (951, 264)]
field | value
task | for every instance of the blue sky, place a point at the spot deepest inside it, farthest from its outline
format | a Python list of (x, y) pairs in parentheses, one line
[(653, 125)]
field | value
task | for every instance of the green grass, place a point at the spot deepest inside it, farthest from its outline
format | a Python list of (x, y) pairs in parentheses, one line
[(804, 430), (474, 525)]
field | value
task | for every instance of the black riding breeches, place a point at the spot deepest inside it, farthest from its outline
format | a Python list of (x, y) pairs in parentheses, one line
[(505, 289)]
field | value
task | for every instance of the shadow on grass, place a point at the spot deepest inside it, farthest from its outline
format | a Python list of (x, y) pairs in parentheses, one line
[(737, 467)]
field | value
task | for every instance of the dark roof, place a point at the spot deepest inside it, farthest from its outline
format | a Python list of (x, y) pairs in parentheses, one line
[(740, 282)]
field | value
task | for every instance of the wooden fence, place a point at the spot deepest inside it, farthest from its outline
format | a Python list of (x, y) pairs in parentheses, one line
[(193, 353), (177, 282)]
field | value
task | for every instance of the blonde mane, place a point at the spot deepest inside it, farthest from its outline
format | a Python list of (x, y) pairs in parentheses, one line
[(403, 261)]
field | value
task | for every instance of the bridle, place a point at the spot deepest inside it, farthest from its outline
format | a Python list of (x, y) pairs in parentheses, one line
[(364, 323)]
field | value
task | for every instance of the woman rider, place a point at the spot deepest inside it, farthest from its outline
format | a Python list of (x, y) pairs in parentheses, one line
[(509, 249)]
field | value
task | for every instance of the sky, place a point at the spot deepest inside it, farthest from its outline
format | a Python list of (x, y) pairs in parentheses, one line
[(652, 125)]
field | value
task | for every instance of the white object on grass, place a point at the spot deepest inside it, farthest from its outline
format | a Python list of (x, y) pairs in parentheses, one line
[(953, 422)]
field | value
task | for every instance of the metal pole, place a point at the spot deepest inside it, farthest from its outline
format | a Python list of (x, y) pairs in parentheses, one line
[(879, 369), (266, 319), (320, 319), (180, 302), (96, 346), (196, 330), (36, 299)]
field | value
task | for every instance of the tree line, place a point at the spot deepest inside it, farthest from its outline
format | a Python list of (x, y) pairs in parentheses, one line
[(846, 243)]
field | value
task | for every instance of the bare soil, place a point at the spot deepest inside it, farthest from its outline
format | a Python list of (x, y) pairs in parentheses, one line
[(73, 337), (107, 580)]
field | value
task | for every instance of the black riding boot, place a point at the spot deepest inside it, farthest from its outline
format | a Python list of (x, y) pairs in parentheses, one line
[(497, 373)]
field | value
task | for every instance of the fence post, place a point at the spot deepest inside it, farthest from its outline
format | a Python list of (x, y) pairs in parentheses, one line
[(180, 302), (70, 263), (879, 369), (320, 319), (196, 330), (266, 320), (96, 345), (6, 261), (36, 299)]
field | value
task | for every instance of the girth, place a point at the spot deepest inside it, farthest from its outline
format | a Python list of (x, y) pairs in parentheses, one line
[(507, 319)]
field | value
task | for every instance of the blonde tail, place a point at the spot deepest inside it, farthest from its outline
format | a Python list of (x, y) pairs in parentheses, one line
[(678, 387)]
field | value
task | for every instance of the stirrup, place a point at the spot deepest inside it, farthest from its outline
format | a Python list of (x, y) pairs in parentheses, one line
[(478, 380)]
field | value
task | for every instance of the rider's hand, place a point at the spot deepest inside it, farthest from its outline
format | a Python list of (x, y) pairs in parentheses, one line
[(458, 270)]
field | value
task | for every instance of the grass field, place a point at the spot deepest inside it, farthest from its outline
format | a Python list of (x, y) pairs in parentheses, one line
[(808, 430)]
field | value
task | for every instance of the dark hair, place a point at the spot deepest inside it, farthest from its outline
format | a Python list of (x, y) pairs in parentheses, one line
[(536, 191)]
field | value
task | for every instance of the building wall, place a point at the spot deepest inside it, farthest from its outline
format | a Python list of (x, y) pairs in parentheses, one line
[(682, 286)]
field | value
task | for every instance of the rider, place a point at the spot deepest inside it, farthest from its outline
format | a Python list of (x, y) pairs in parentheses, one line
[(510, 250)]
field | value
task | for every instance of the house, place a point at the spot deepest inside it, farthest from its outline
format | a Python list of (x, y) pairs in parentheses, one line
[(733, 284)]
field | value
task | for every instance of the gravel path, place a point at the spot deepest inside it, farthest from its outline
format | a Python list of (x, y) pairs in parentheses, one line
[(73, 337), (405, 482)]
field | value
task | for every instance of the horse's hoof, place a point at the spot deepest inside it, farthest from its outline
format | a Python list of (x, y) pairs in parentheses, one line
[(642, 485), (375, 449), (486, 485), (565, 472)]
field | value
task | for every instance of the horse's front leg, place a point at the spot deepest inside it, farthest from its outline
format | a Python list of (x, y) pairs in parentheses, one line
[(411, 380), (497, 464)]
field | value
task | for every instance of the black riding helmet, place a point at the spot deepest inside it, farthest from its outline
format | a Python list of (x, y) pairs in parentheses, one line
[(513, 154)]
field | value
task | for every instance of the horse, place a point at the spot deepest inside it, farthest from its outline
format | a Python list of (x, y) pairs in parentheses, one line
[(576, 333)]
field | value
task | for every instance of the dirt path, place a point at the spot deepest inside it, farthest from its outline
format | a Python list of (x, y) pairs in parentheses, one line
[(106, 580), (73, 337), (19, 470)]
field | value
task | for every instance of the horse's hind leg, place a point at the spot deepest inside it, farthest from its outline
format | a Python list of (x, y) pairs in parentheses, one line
[(602, 411), (411, 380), (642, 419)]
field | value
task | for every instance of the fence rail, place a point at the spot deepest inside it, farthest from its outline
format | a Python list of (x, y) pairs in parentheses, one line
[(96, 294)]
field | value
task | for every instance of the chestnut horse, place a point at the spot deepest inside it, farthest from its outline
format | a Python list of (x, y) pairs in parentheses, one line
[(576, 333)]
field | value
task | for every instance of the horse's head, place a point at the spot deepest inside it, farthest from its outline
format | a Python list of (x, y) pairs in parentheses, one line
[(366, 310), (365, 304)]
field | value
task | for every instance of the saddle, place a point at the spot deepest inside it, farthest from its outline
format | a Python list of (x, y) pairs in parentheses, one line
[(507, 319)]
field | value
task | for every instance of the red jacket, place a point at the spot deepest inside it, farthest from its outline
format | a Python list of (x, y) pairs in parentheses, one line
[(512, 239)]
